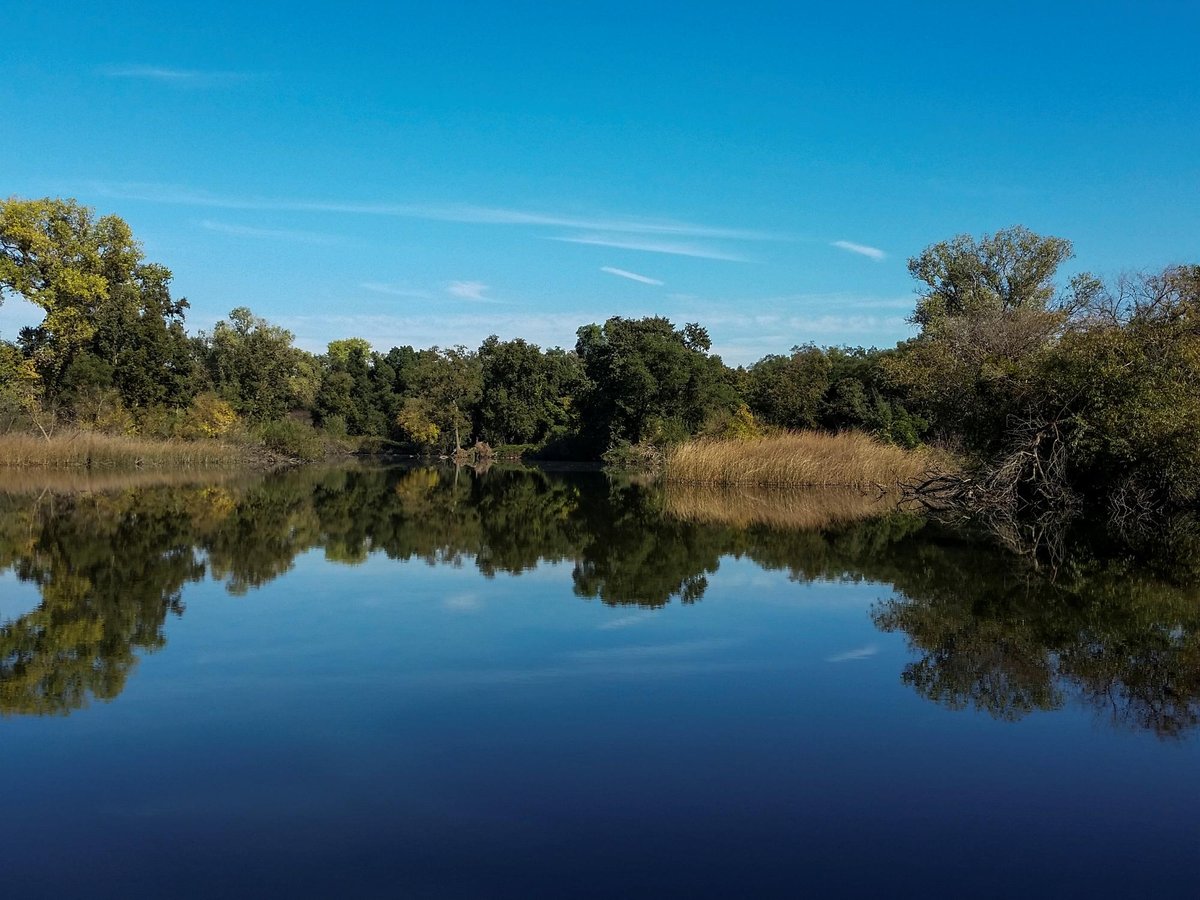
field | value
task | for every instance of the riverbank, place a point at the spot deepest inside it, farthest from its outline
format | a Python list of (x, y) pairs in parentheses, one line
[(798, 459), (82, 450)]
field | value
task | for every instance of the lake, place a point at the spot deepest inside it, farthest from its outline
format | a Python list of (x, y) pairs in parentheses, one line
[(389, 682)]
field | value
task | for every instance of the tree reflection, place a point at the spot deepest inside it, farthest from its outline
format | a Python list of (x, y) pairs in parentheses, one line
[(994, 635), (108, 575), (987, 631)]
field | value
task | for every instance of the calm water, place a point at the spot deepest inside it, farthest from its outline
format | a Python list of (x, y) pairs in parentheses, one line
[(420, 683)]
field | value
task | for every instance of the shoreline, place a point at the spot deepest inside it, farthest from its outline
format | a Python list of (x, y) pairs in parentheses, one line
[(84, 451)]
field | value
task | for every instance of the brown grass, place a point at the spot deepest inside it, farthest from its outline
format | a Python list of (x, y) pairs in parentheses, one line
[(799, 459), (803, 508), (91, 450), (45, 480)]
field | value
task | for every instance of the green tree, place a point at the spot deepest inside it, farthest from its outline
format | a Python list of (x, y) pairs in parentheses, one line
[(861, 396), (345, 386), (517, 391), (252, 364), (526, 393), (985, 310), (140, 333), (359, 387), (58, 256), (787, 390), (1122, 385), (1009, 270), (449, 384), (19, 389), (108, 312), (648, 380)]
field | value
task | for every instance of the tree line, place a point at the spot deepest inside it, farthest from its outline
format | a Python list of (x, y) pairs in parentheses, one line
[(1085, 389)]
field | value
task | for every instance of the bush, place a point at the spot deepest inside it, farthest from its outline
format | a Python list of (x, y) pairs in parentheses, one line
[(335, 427), (738, 424), (208, 417), (101, 409), (415, 423), (667, 430), (297, 440)]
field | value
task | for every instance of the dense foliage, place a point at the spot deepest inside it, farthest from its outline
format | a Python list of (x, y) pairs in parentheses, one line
[(1088, 395), (1090, 386)]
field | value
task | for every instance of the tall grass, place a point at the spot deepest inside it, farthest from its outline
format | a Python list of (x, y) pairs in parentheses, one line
[(64, 480), (797, 458), (93, 450), (803, 509)]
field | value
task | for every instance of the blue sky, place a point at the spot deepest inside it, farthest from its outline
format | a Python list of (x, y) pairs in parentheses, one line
[(434, 172)]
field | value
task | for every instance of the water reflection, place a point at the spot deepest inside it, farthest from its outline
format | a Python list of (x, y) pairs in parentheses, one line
[(993, 636), (987, 631)]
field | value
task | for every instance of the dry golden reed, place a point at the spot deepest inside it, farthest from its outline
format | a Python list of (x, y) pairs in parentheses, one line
[(797, 458), (93, 450), (62, 480), (803, 508)]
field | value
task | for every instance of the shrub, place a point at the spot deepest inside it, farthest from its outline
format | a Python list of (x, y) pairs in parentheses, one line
[(738, 424), (335, 427), (415, 423), (208, 416), (297, 440)]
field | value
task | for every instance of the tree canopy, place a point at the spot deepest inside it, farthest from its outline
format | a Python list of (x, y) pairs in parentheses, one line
[(1009, 270), (646, 378), (110, 322)]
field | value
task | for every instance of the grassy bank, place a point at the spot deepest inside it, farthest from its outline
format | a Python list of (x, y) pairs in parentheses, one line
[(92, 450), (796, 458)]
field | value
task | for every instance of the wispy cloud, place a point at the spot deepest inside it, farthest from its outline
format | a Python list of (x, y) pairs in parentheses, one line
[(623, 622), (720, 316), (654, 651), (777, 323), (831, 324), (748, 341), (620, 224), (395, 290), (447, 320), (441, 326), (466, 602), (632, 276), (675, 248), (636, 669), (468, 290), (464, 213), (850, 655), (181, 77), (861, 249), (279, 234)]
